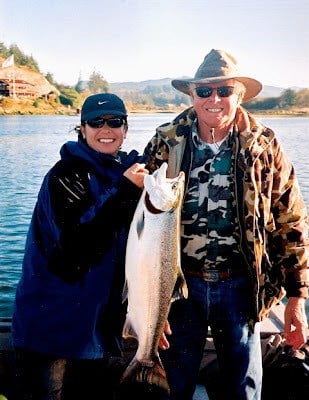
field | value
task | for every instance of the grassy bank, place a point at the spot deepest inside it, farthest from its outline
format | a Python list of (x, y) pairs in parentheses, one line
[(10, 106)]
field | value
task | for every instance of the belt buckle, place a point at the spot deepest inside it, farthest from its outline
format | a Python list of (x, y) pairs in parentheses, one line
[(212, 275)]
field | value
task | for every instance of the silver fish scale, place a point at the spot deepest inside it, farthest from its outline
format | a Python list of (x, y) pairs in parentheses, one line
[(152, 271)]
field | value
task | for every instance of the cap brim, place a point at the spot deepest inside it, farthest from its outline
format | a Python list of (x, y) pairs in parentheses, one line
[(253, 87)]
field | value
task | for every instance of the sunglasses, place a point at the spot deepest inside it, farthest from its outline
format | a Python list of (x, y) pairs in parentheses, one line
[(111, 122), (222, 91)]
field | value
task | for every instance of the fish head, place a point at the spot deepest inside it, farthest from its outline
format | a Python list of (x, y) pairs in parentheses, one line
[(164, 193), (177, 188)]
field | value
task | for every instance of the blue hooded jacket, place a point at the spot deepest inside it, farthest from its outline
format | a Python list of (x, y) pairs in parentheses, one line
[(68, 301)]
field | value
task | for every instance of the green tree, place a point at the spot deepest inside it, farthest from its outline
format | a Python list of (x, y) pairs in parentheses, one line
[(49, 76), (97, 83), (4, 51), (287, 99), (19, 57), (269, 103), (31, 63), (81, 86), (69, 96), (302, 98)]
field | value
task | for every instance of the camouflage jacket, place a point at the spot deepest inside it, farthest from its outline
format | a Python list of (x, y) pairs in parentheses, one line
[(272, 214)]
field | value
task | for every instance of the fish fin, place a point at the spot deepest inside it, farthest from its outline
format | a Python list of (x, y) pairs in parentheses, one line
[(180, 289), (146, 371), (125, 292), (128, 331), (140, 225), (184, 289)]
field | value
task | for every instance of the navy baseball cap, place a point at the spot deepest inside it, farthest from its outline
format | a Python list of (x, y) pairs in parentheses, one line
[(98, 105)]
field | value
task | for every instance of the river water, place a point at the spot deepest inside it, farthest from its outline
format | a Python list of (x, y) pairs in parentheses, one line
[(29, 146)]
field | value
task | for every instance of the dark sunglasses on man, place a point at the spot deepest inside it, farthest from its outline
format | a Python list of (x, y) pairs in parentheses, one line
[(111, 122), (222, 91)]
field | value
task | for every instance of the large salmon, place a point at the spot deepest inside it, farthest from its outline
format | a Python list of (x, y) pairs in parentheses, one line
[(153, 279)]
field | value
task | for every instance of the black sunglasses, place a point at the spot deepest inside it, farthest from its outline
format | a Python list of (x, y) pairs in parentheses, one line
[(222, 91), (111, 122)]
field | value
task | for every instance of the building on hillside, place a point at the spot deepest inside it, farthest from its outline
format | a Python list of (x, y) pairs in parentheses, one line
[(17, 88), (4, 89)]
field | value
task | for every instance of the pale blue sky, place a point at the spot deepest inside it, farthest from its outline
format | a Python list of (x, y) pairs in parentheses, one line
[(135, 40)]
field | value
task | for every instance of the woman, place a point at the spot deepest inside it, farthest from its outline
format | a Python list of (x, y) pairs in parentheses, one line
[(68, 312)]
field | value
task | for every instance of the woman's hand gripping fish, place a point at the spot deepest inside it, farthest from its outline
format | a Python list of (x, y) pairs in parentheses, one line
[(153, 273)]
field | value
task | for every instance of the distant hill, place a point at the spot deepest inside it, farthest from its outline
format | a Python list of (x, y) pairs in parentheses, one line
[(140, 85), (271, 91), (153, 95), (37, 79), (267, 91)]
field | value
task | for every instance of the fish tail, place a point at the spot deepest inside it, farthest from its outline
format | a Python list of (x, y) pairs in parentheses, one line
[(146, 371)]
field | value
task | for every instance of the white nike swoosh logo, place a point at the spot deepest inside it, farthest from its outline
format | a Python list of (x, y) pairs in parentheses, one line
[(103, 102)]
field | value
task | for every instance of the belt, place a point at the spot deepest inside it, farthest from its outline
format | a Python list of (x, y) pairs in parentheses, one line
[(217, 275)]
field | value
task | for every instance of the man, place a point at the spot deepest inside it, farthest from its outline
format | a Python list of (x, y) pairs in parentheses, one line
[(244, 229)]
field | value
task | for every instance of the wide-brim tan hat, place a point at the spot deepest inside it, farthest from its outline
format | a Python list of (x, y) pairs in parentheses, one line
[(219, 66)]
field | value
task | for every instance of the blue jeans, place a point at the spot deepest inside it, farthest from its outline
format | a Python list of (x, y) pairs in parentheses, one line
[(224, 306)]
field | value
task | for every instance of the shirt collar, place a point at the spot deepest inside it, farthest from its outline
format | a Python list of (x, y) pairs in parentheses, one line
[(200, 144)]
